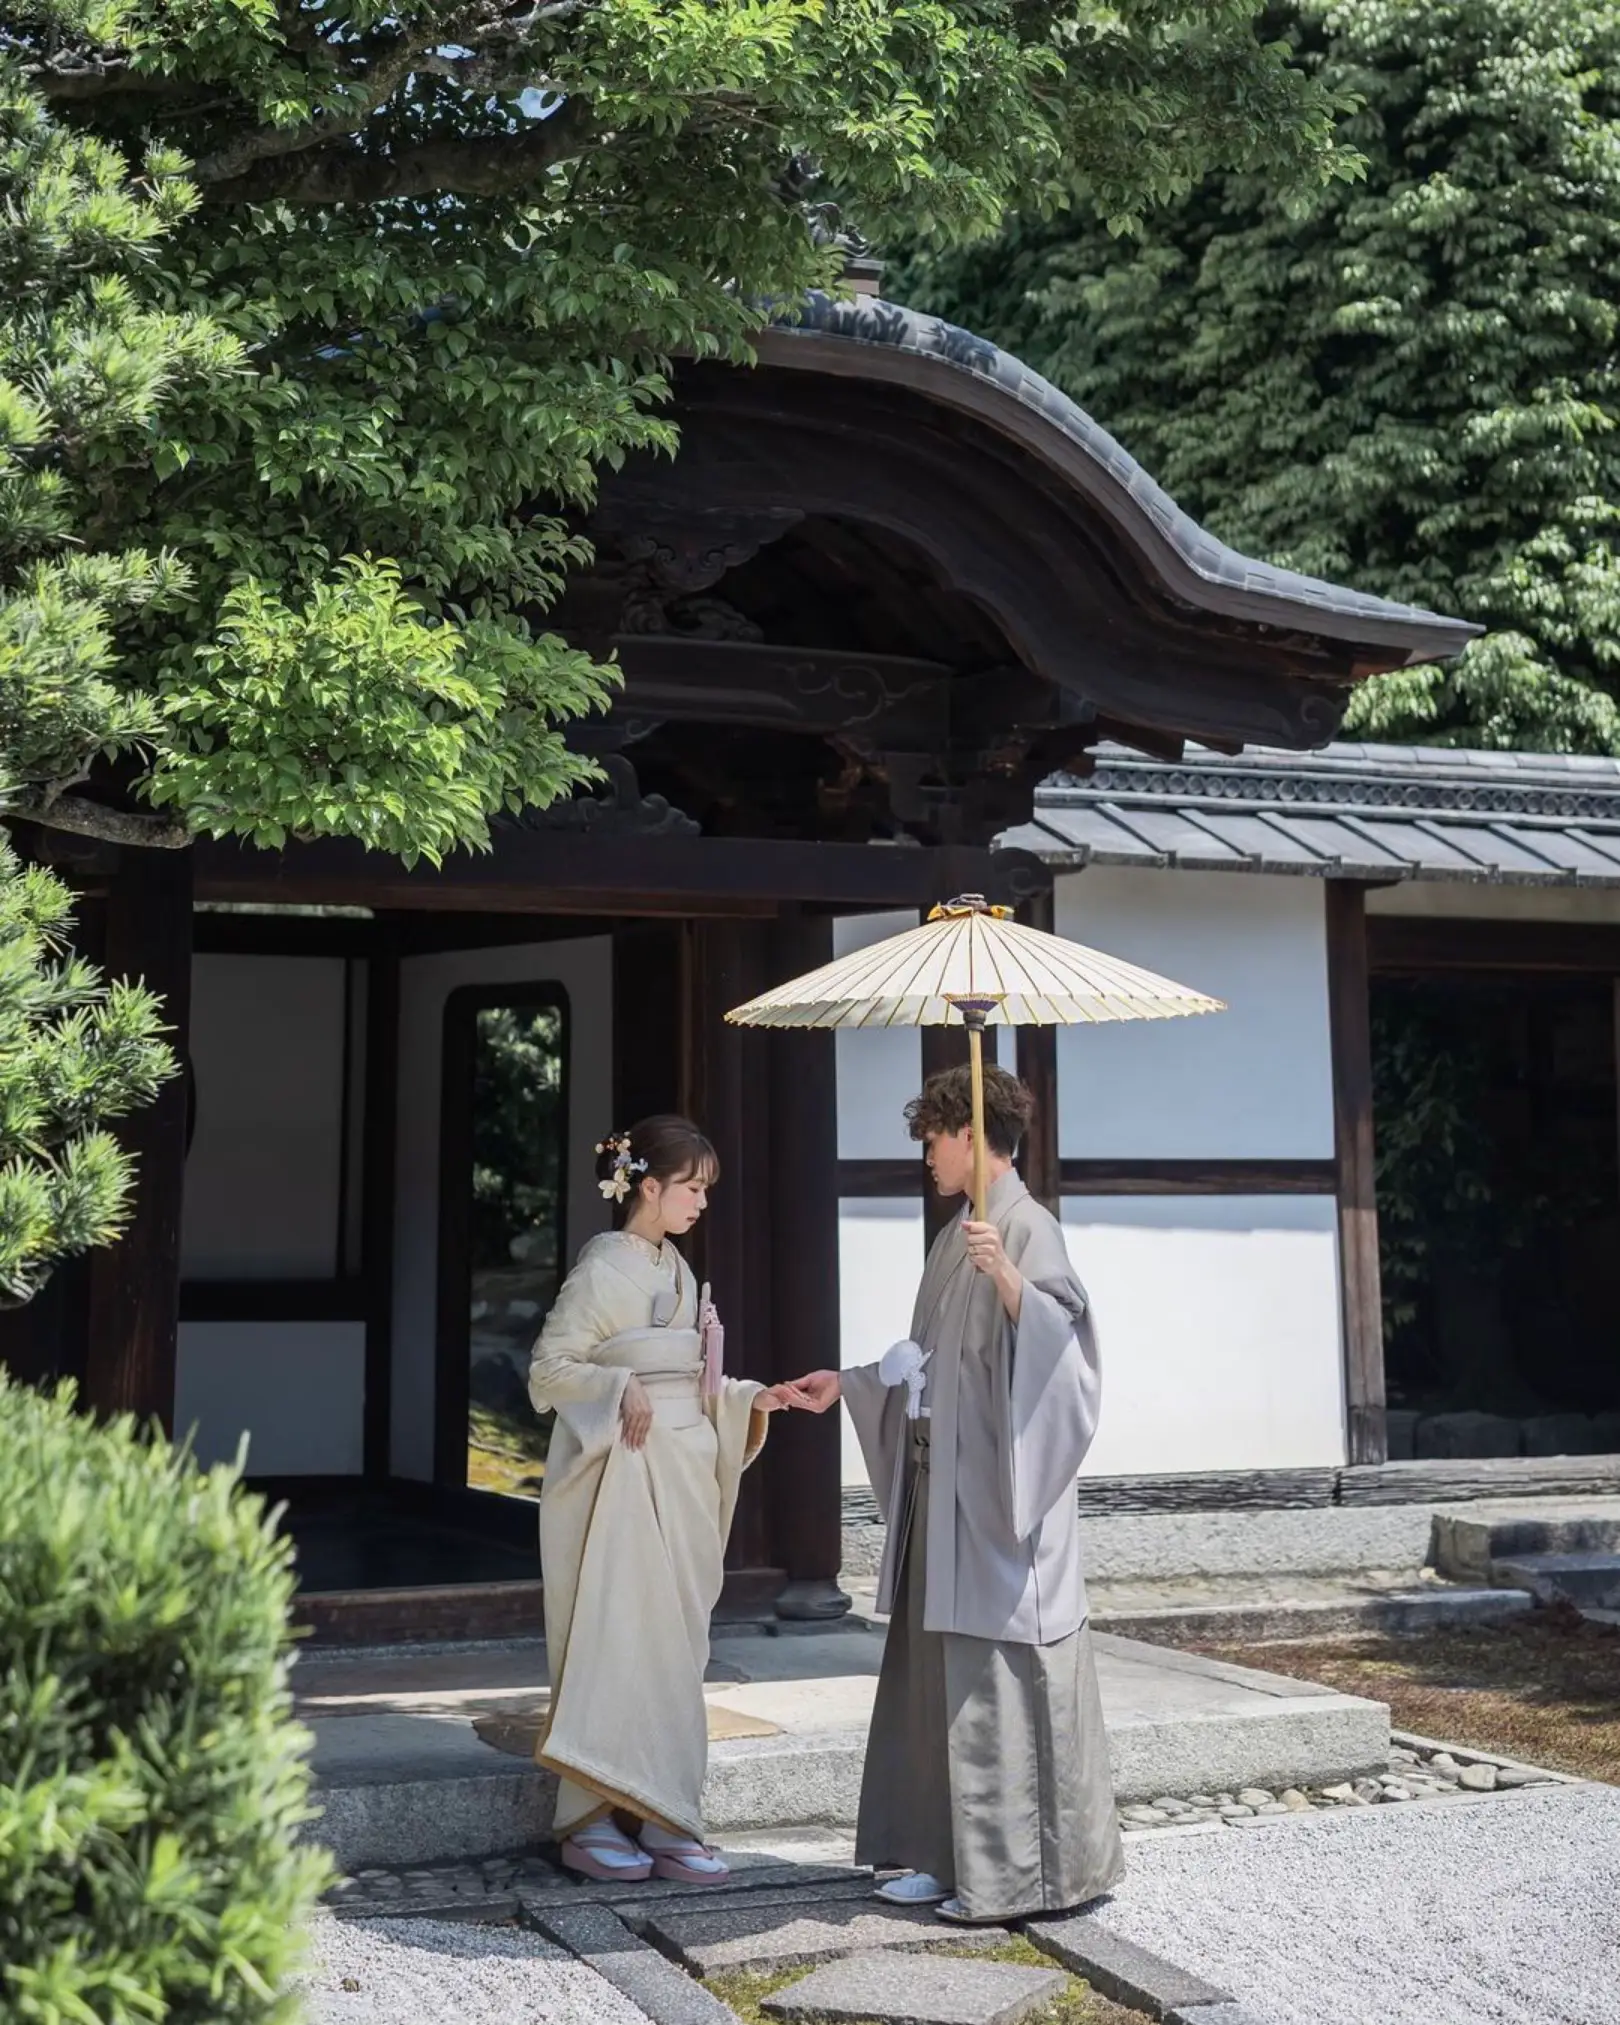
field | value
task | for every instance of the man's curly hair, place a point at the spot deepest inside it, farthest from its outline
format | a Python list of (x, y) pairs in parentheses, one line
[(945, 1105)]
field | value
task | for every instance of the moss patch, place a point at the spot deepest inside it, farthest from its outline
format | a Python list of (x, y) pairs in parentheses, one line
[(1544, 1688), (1079, 2004)]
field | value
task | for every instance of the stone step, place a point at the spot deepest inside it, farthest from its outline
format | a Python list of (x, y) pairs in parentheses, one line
[(1471, 1546), (1591, 1581), (405, 1780), (1404, 1612)]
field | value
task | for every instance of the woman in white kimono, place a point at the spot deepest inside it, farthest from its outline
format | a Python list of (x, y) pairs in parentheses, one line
[(641, 1480)]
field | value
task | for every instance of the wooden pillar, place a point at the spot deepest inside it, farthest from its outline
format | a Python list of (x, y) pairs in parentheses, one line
[(1040, 1161), (1351, 1024), (725, 1089), (379, 1137), (942, 1048), (647, 1077), (134, 1285), (803, 1472)]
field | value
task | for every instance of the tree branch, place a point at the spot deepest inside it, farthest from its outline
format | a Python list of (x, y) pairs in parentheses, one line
[(85, 818), (481, 168), (365, 92)]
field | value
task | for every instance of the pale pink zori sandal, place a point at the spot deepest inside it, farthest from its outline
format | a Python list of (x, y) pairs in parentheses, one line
[(605, 1853), (682, 1859)]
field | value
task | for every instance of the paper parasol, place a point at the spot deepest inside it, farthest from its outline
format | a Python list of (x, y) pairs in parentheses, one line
[(973, 961)]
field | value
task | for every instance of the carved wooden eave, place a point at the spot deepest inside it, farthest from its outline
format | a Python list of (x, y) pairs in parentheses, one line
[(1101, 610)]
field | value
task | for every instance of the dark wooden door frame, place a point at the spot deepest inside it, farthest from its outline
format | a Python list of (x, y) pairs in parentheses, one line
[(1361, 1297), (452, 1270)]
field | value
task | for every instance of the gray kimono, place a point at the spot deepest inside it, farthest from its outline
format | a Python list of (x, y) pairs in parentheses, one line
[(987, 1763)]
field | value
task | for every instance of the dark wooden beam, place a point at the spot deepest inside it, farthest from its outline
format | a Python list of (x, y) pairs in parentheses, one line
[(1361, 1293), (273, 1301), (1416, 943), (898, 1178), (1040, 1160), (545, 872), (134, 1285), (1200, 1177), (803, 1464)]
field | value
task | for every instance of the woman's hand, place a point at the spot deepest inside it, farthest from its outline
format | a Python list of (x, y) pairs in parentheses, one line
[(635, 1413), (775, 1399), (985, 1249)]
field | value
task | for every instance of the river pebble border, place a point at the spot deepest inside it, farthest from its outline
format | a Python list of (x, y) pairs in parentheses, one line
[(1419, 1770)]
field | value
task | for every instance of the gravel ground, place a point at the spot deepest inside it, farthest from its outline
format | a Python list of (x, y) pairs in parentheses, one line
[(1504, 1913), (434, 1972)]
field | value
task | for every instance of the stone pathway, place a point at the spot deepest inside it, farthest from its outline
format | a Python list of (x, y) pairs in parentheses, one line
[(1444, 1892)]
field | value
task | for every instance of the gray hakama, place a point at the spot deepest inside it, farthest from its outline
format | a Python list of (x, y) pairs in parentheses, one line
[(987, 1762)]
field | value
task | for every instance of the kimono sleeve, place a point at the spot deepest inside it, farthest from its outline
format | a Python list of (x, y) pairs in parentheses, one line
[(878, 1413), (564, 1376), (1055, 1382)]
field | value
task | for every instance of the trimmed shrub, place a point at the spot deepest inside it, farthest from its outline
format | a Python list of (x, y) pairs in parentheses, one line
[(152, 1781)]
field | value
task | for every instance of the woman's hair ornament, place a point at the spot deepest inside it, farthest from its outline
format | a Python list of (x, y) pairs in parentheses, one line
[(615, 1185)]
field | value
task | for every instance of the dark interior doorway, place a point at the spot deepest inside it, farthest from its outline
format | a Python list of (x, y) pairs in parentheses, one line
[(1498, 1139)]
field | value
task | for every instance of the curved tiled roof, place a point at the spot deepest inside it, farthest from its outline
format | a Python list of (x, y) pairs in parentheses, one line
[(1350, 811), (1191, 560)]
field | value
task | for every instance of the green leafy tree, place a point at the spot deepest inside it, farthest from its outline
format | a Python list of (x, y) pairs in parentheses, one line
[(421, 275), (1406, 383), (318, 319)]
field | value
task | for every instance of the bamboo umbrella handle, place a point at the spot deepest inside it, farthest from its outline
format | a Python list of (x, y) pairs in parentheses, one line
[(981, 1194)]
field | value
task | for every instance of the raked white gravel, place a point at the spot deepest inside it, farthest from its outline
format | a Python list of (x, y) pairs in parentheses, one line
[(1504, 1911), (439, 1972)]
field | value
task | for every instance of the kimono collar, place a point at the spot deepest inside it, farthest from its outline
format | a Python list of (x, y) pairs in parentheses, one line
[(1005, 1190), (627, 1257)]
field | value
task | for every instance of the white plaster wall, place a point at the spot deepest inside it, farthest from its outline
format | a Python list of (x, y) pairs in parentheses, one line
[(1253, 1082), (261, 1192), (584, 969), (877, 1072), (880, 1260), (297, 1389), (1219, 1323)]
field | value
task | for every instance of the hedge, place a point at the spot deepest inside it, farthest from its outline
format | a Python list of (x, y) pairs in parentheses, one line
[(152, 1781)]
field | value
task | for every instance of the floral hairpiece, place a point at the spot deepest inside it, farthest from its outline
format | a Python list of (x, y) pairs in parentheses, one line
[(617, 1185)]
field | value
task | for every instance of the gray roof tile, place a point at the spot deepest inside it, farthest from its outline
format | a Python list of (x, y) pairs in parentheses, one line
[(1348, 811)]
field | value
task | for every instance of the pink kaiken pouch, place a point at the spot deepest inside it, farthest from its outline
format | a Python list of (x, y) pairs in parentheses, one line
[(713, 1336)]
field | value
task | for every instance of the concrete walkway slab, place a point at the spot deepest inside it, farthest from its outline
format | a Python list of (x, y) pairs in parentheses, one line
[(405, 1777)]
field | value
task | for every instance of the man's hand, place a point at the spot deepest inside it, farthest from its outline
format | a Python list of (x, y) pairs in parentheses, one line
[(635, 1413), (814, 1393), (984, 1248)]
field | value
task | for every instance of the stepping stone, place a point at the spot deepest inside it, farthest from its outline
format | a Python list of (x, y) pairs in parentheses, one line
[(917, 1990), (1118, 1968), (738, 1936), (596, 1936)]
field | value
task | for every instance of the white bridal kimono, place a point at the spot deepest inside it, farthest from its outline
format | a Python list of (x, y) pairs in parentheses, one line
[(632, 1541), (987, 1764)]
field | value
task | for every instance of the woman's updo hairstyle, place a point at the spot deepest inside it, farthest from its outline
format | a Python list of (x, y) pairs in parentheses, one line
[(665, 1148)]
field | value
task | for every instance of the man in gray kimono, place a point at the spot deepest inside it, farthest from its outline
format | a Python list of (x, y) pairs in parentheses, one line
[(987, 1777)]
